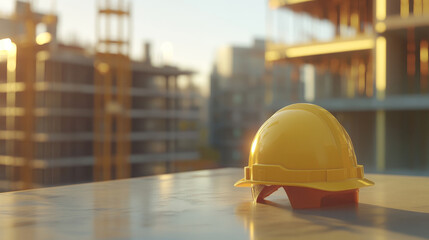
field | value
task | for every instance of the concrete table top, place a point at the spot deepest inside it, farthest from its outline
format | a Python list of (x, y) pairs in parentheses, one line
[(205, 205)]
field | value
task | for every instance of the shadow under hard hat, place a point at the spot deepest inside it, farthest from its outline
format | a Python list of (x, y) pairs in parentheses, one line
[(305, 150)]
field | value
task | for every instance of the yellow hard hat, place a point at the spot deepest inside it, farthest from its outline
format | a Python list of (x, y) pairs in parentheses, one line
[(303, 145)]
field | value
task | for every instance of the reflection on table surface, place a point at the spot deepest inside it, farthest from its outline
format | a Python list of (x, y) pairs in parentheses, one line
[(205, 205)]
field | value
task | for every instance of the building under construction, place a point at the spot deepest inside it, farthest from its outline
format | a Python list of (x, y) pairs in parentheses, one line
[(70, 114), (367, 62), (237, 99)]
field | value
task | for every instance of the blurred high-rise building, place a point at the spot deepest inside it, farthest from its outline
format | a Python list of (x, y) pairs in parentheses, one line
[(47, 108), (237, 99), (367, 62)]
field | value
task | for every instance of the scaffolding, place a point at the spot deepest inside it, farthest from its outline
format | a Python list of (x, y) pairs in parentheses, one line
[(112, 84), (22, 58), (27, 54)]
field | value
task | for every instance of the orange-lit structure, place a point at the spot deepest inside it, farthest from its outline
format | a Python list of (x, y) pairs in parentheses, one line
[(23, 68), (112, 109), (366, 61), (50, 140)]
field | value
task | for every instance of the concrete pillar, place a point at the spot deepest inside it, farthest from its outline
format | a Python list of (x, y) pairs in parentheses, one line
[(380, 140)]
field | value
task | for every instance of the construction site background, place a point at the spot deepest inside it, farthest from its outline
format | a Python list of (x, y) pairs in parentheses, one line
[(72, 114)]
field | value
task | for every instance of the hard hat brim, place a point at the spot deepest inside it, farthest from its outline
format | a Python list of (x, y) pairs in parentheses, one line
[(348, 184)]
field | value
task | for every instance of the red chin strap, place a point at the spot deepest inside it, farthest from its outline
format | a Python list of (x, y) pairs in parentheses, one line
[(302, 197)]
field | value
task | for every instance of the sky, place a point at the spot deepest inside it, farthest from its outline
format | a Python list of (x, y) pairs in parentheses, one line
[(194, 29)]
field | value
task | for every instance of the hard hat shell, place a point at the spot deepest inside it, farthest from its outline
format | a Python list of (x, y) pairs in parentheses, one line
[(303, 145)]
